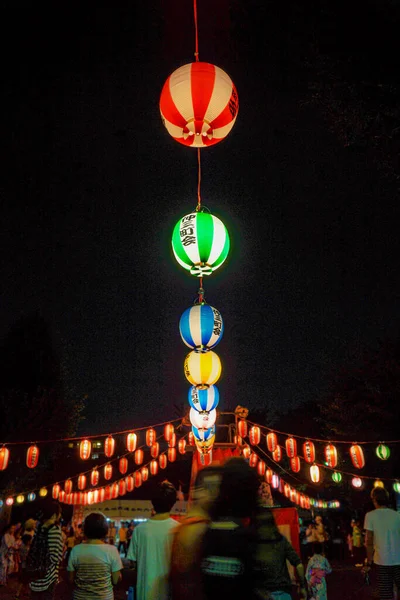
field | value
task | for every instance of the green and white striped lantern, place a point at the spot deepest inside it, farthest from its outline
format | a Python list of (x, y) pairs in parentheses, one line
[(337, 477), (382, 451), (200, 243)]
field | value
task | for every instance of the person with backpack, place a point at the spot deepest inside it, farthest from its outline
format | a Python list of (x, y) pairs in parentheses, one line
[(46, 552)]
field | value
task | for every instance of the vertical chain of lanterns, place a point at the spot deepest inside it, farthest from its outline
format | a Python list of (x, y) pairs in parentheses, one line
[(199, 106)]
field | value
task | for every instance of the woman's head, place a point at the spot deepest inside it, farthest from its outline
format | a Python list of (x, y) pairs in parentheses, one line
[(50, 511), (238, 492), (164, 497), (95, 526), (318, 548)]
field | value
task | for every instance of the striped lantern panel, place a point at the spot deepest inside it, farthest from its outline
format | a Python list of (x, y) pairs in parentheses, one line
[(268, 475), (68, 486), (107, 492), (202, 370), (331, 456), (123, 465), (163, 461), (202, 420), (307, 502), (206, 459), (357, 456), (200, 242), (114, 490), (295, 464), (182, 446), (131, 442), (94, 477), (253, 460), (145, 473), (138, 479), (201, 327), (32, 457), (383, 451), (122, 487), (199, 104), (204, 447), (85, 449), (275, 481), (62, 496), (4, 458), (254, 435), (246, 451), (90, 497), (293, 495), (155, 450), (261, 467), (154, 467), (191, 439), (203, 400), (109, 446), (139, 456), (169, 431), (286, 490), (172, 454), (242, 428), (237, 440), (130, 483), (172, 441), (81, 482), (314, 474), (203, 435), (108, 471), (151, 436), (272, 441), (55, 491), (277, 454), (291, 447), (309, 451)]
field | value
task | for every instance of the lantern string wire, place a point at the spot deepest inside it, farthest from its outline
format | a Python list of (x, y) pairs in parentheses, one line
[(196, 31), (326, 440), (198, 207), (89, 437)]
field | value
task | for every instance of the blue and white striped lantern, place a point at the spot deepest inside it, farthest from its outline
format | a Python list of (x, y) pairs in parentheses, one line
[(202, 420), (203, 400), (31, 496), (203, 435), (201, 327)]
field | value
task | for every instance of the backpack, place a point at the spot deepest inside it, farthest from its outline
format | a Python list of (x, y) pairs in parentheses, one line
[(38, 559)]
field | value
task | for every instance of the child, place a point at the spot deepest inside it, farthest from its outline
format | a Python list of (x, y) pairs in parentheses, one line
[(318, 567), (23, 550)]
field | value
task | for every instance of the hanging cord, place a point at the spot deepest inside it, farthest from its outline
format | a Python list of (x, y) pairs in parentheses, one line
[(198, 207), (196, 31)]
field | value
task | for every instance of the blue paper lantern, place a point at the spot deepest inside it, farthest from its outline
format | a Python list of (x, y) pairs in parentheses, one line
[(31, 496), (201, 327), (203, 435), (203, 400)]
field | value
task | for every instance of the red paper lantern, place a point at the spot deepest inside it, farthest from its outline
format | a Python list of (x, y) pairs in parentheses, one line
[(85, 449), (291, 447), (69, 498), (151, 436), (242, 428), (286, 490), (130, 483), (314, 474), (139, 455), (253, 459), (154, 467), (261, 467), (145, 473), (131, 442), (295, 464), (138, 479), (272, 441), (309, 451), (121, 487), (108, 471), (77, 498), (61, 496), (246, 452), (357, 456), (191, 439), (90, 497), (293, 495), (94, 477), (163, 461), (199, 104), (9, 501), (115, 490), (4, 458), (182, 446), (85, 498), (107, 492), (307, 502), (123, 465), (109, 446), (275, 481), (331, 455), (237, 440), (81, 482), (302, 501), (254, 435), (155, 450), (172, 441), (356, 482), (277, 454), (55, 491), (172, 454), (168, 431), (268, 475), (32, 457), (68, 487)]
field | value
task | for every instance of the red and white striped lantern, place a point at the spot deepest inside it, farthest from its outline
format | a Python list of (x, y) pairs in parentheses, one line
[(55, 492), (145, 473), (155, 450), (172, 441), (81, 482), (154, 467), (163, 460), (191, 439), (94, 477), (331, 457), (115, 490), (286, 490), (237, 440), (199, 104), (109, 446), (261, 467), (309, 451), (138, 479), (293, 495), (268, 475), (242, 428), (32, 457), (291, 447), (107, 492), (4, 458), (130, 483), (108, 471), (61, 496), (272, 441), (131, 442), (254, 435), (314, 473), (275, 481), (85, 449), (171, 454), (307, 502), (68, 486), (246, 452), (357, 456), (253, 459), (182, 446), (169, 430), (277, 454), (90, 497), (123, 465), (295, 464), (139, 456), (151, 436), (122, 487)]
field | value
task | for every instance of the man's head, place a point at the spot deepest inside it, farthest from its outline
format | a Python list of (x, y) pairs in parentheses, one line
[(50, 511), (238, 492), (164, 497), (95, 526), (379, 497)]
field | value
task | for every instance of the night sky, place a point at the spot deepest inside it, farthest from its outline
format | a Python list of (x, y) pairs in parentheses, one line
[(92, 186)]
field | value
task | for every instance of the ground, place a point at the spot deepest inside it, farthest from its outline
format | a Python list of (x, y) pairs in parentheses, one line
[(345, 583)]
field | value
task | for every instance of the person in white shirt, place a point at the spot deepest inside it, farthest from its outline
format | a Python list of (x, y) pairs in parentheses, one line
[(382, 541), (151, 544)]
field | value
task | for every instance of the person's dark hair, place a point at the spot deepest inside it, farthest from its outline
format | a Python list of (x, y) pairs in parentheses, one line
[(48, 508), (164, 497), (318, 548), (95, 526), (238, 492), (267, 528), (26, 538), (380, 495)]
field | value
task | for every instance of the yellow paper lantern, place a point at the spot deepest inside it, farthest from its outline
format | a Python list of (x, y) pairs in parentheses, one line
[(202, 369), (43, 492)]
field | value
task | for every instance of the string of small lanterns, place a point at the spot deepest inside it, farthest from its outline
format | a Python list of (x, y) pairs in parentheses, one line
[(199, 105)]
